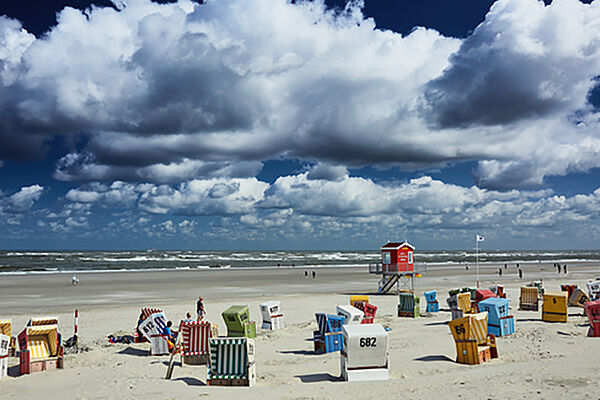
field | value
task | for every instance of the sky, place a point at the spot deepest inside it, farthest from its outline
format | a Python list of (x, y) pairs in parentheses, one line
[(274, 124)]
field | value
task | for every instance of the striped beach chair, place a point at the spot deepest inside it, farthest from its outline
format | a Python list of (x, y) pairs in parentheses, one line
[(473, 343), (4, 347), (464, 302), (554, 307), (195, 345), (146, 311), (408, 305), (529, 300), (232, 362), (369, 311), (40, 349), (569, 289), (6, 329)]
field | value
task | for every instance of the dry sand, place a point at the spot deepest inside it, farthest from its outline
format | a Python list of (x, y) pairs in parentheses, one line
[(541, 360)]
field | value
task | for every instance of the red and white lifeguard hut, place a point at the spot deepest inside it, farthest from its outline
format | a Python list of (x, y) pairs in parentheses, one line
[(397, 265), (397, 257)]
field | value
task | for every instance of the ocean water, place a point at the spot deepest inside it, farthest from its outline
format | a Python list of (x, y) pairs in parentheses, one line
[(40, 262)]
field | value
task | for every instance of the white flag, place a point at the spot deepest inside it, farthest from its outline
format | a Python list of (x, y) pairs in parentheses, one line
[(479, 238)]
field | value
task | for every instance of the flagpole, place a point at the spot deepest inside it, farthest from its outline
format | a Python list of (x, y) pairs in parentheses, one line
[(477, 257)]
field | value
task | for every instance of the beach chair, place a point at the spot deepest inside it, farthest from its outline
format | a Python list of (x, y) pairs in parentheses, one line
[(592, 309), (355, 298), (369, 311), (408, 305), (232, 362), (569, 289), (4, 348), (152, 328), (499, 291), (366, 353), (237, 320), (328, 337), (452, 302), (271, 315), (464, 302), (146, 311), (554, 307), (539, 286), (578, 299), (6, 329), (594, 289), (473, 344), (40, 349), (529, 300), (432, 303), (195, 344), (351, 314), (499, 322), (480, 295)]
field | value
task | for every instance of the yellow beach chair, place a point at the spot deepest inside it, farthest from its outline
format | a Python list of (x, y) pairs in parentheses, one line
[(554, 308), (473, 344), (464, 302), (356, 298), (40, 349), (529, 300)]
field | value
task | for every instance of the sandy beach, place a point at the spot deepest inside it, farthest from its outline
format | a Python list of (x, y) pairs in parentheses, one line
[(541, 360)]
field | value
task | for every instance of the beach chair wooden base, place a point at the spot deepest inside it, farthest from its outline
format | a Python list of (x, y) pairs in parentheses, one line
[(198, 359), (528, 307), (554, 317), (41, 365), (228, 382), (406, 314)]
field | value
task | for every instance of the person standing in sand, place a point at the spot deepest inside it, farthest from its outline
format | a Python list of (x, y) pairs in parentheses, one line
[(520, 273), (200, 308)]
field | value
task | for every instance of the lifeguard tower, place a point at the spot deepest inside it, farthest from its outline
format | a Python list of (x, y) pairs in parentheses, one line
[(397, 267)]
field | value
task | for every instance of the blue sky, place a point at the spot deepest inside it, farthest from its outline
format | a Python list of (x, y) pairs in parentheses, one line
[(267, 124)]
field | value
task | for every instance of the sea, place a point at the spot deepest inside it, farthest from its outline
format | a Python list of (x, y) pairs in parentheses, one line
[(47, 262)]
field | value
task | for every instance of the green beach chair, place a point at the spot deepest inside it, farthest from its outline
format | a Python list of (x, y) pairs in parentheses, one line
[(408, 305), (237, 320), (232, 362)]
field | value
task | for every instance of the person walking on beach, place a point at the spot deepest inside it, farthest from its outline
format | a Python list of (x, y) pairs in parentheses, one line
[(565, 268), (200, 308), (314, 274), (520, 273), (74, 280), (558, 266), (500, 271)]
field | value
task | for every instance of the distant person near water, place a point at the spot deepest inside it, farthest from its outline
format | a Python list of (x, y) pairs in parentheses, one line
[(558, 266), (500, 271), (314, 274), (200, 308), (520, 273), (74, 280), (565, 268)]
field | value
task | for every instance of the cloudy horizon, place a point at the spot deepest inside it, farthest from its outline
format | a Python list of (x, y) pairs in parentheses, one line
[(267, 124)]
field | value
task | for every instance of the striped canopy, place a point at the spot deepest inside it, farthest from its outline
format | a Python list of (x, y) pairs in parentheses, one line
[(6, 327), (43, 321), (196, 336), (42, 341), (229, 358), (473, 326)]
